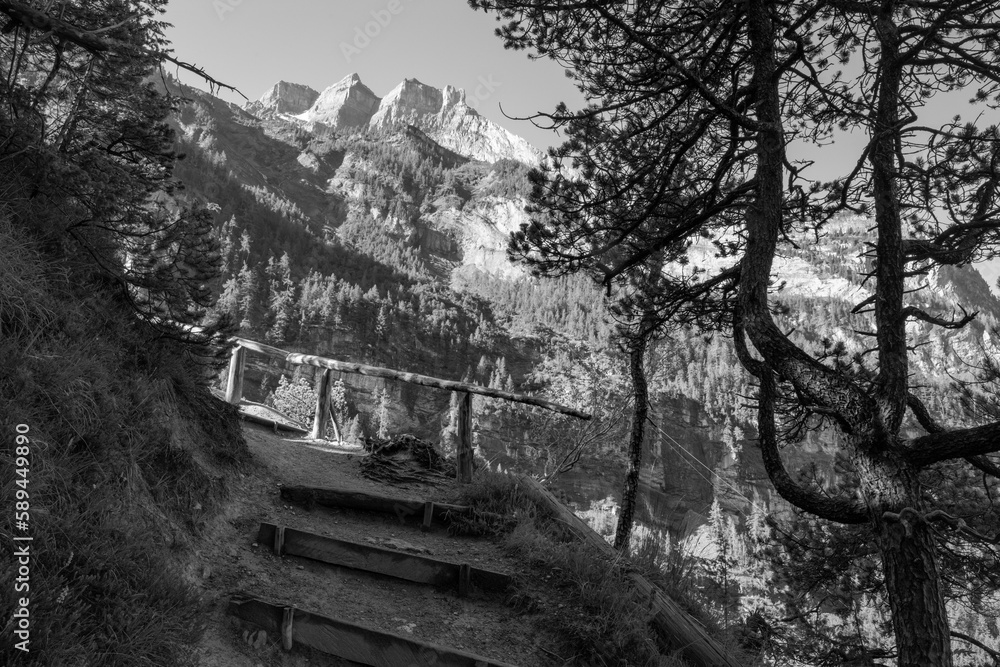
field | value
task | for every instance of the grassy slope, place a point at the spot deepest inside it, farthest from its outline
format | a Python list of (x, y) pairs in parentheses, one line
[(127, 457), (610, 624)]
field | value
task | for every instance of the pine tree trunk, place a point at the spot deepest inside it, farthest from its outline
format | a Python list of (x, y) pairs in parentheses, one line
[(631, 487), (912, 578), (910, 565)]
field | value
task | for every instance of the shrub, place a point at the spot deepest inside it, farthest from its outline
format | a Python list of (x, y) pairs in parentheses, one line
[(295, 399), (599, 616)]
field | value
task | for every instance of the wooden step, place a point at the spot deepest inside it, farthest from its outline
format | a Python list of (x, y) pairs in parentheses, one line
[(349, 640), (358, 500), (389, 562)]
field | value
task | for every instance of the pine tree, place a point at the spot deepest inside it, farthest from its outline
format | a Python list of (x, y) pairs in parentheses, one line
[(380, 418), (248, 287), (355, 432), (694, 109), (281, 308), (85, 128)]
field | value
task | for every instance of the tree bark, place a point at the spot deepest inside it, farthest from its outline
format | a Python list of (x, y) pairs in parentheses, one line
[(626, 511), (909, 562), (912, 576), (889, 259), (890, 482)]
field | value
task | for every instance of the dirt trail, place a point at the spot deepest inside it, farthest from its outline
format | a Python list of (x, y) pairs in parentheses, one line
[(227, 560)]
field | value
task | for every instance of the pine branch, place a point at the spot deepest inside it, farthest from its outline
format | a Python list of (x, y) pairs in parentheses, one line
[(29, 18)]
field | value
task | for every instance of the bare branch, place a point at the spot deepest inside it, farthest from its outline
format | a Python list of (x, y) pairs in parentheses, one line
[(985, 465), (194, 69), (975, 642)]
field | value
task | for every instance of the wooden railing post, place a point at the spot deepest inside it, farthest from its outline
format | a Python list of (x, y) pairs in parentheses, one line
[(234, 384), (322, 416), (464, 472), (287, 619)]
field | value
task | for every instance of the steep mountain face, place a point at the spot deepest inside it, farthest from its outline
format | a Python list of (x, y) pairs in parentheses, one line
[(347, 104), (442, 114), (284, 99), (445, 116)]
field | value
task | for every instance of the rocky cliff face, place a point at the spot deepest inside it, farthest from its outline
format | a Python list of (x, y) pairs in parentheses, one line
[(442, 114), (284, 99), (445, 116), (347, 104), (411, 102)]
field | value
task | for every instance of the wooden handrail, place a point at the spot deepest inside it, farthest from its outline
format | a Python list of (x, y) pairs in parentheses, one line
[(234, 392), (412, 378), (670, 619)]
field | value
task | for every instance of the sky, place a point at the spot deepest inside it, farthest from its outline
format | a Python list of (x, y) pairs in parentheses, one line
[(253, 44)]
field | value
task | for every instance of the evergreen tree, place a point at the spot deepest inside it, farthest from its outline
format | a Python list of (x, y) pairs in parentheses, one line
[(281, 307), (380, 419), (355, 432), (84, 128), (694, 106)]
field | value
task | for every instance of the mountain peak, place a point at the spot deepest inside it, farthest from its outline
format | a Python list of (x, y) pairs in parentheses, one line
[(349, 103), (284, 98), (443, 114), (412, 101)]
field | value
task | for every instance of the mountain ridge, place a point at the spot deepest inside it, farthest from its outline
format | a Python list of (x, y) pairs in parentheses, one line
[(443, 114)]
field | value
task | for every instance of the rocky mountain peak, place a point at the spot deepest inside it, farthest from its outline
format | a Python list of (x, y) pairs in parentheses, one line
[(412, 101), (443, 114), (284, 98), (349, 103)]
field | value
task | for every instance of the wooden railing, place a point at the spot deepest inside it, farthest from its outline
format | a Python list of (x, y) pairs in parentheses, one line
[(673, 623), (321, 417)]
